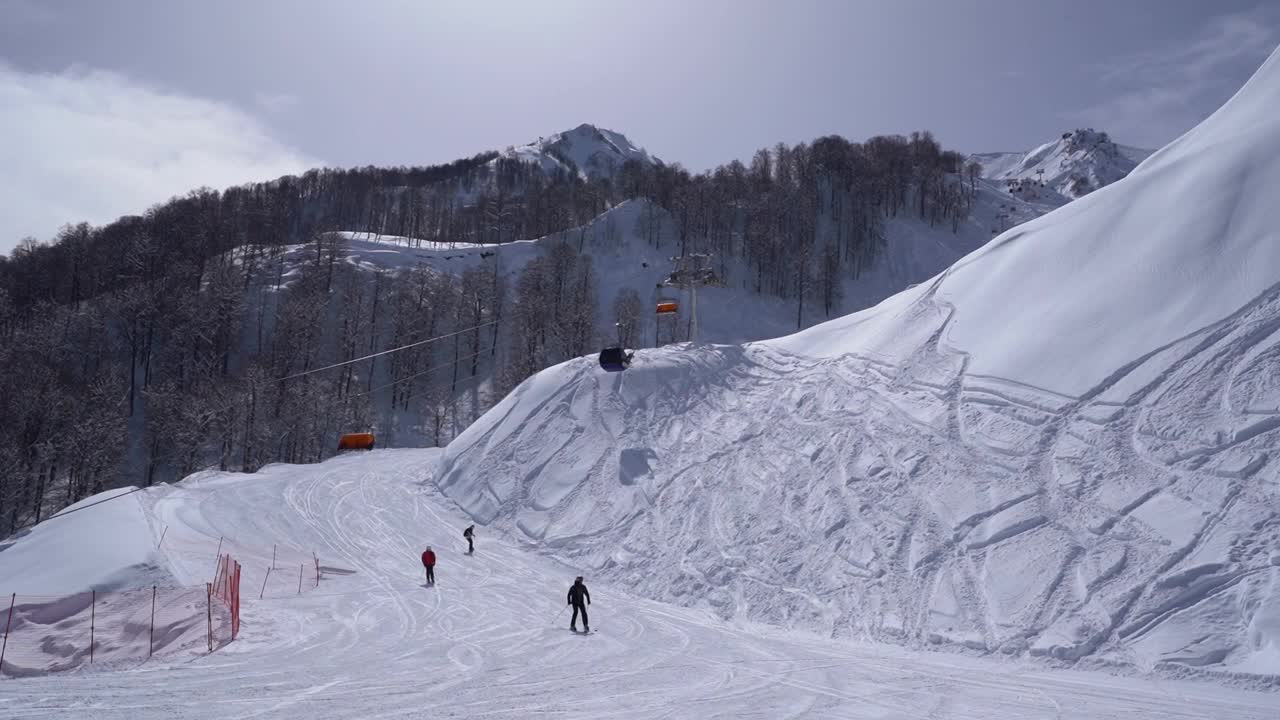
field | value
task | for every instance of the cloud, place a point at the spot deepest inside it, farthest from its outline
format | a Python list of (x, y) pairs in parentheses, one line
[(1158, 95), (93, 145), (275, 102)]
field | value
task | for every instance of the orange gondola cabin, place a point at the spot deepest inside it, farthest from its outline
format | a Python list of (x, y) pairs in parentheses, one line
[(355, 441)]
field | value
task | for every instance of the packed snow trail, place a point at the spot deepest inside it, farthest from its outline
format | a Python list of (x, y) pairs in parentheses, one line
[(491, 639), (1063, 446)]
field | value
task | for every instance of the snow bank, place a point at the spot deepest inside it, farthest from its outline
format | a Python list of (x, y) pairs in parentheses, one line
[(112, 547), (1062, 446)]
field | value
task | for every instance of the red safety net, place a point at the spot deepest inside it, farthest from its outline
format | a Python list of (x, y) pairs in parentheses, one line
[(226, 589)]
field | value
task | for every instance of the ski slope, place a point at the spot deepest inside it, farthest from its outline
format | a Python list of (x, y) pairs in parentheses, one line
[(1063, 446), (488, 642)]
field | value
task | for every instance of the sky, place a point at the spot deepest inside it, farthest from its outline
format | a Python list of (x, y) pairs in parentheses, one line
[(109, 108)]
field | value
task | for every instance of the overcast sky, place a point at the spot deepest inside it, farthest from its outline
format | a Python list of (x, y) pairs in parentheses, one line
[(109, 107)]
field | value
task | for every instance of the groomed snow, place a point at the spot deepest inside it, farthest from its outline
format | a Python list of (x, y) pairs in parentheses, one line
[(125, 550), (1063, 446), (491, 639)]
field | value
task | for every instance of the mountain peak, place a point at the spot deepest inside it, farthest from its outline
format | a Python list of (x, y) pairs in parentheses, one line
[(587, 150), (1074, 164)]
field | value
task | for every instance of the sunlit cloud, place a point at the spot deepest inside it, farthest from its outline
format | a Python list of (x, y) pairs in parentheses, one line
[(90, 145)]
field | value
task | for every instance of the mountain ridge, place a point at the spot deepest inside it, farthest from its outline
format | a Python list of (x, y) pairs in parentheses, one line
[(1071, 166), (587, 151)]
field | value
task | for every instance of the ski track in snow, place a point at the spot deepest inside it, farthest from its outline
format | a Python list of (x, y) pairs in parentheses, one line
[(487, 641), (923, 505)]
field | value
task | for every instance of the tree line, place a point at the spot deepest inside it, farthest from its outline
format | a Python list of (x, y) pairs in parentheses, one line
[(191, 336)]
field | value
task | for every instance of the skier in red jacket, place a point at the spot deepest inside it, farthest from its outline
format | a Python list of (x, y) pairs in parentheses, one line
[(429, 562)]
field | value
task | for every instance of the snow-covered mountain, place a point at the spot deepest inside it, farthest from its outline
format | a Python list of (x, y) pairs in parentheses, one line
[(1063, 445), (631, 245), (624, 257), (587, 151), (1075, 164)]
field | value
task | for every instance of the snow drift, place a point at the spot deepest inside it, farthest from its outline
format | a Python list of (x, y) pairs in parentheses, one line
[(1061, 446), (47, 561)]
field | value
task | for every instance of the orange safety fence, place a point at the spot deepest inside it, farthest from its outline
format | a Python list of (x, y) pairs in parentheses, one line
[(267, 571), (226, 589), (44, 634)]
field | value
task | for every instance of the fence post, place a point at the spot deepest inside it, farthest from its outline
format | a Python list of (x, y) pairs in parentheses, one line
[(208, 589), (317, 559), (235, 615), (273, 556), (166, 531), (151, 648), (12, 598), (93, 611), (300, 567), (219, 553), (264, 584)]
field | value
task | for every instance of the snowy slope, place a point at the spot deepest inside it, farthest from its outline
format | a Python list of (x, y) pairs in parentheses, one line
[(1062, 446), (624, 259), (129, 560), (1071, 166), (590, 152), (490, 640)]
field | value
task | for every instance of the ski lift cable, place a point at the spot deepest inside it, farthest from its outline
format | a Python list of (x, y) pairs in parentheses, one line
[(443, 383), (441, 366), (62, 513), (385, 352), (117, 496), (424, 372)]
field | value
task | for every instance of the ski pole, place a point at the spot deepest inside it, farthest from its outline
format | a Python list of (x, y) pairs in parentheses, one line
[(560, 614)]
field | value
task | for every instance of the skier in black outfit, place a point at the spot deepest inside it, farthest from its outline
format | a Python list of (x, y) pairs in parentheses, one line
[(469, 534), (577, 595)]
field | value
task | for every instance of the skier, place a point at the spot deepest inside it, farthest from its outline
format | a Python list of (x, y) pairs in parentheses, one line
[(469, 534), (577, 594), (429, 562)]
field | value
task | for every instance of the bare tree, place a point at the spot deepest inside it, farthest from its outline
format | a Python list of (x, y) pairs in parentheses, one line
[(628, 313)]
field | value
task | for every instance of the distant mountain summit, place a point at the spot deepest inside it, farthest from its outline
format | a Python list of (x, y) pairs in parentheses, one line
[(587, 151), (1074, 165)]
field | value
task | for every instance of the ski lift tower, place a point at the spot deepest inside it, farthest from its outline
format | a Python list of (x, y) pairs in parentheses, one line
[(689, 272)]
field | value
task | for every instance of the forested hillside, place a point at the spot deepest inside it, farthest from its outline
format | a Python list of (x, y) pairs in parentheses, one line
[(196, 333)]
